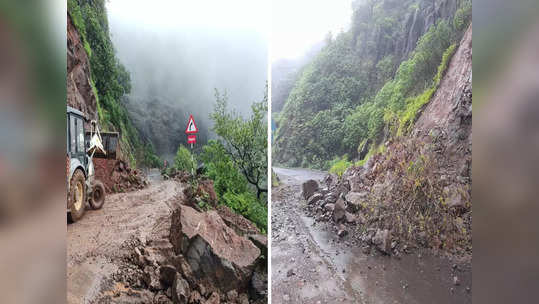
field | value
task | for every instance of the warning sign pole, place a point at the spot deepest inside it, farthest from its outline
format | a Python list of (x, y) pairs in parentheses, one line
[(191, 130)]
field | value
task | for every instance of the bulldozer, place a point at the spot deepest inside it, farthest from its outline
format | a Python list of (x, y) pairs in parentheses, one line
[(84, 143)]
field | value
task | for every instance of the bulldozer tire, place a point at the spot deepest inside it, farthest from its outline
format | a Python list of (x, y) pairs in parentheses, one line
[(97, 198), (77, 196)]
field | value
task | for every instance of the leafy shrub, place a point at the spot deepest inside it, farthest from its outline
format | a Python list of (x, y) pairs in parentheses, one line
[(149, 158), (184, 160), (247, 204), (339, 165), (221, 169), (463, 15), (415, 104)]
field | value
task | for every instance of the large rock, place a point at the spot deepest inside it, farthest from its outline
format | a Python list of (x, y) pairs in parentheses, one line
[(167, 274), (241, 225), (258, 287), (260, 241), (339, 210), (217, 257), (309, 188), (180, 290), (315, 198), (382, 240), (151, 278), (354, 200)]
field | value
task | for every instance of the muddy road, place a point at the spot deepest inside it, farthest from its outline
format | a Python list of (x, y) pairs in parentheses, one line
[(311, 264), (95, 244)]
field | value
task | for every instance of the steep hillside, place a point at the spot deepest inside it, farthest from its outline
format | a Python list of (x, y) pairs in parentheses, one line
[(369, 83), (97, 81), (284, 74), (419, 189)]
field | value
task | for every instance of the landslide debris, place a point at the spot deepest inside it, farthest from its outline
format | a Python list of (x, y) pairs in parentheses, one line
[(117, 176), (417, 193), (209, 255)]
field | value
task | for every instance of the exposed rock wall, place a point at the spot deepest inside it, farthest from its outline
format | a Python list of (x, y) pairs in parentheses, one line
[(79, 90)]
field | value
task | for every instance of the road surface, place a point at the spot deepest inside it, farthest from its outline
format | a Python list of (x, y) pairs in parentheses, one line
[(95, 244), (310, 264)]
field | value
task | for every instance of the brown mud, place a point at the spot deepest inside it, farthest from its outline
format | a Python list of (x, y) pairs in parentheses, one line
[(96, 243)]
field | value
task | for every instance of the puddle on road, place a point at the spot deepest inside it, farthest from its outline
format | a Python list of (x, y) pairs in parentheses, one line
[(382, 279)]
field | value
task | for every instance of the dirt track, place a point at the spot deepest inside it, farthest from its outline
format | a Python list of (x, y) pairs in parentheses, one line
[(310, 264), (94, 244)]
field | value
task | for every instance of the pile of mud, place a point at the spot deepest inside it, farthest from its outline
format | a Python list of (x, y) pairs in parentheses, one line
[(117, 176)]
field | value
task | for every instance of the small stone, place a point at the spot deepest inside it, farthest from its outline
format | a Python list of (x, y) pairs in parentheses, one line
[(290, 273), (456, 281)]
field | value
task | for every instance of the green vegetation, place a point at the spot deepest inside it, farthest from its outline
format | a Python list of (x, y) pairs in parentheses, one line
[(109, 79), (184, 160), (339, 165), (463, 16), (245, 140), (237, 162), (360, 90), (149, 158)]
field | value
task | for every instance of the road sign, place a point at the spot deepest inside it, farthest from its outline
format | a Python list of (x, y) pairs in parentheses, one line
[(191, 139), (191, 126)]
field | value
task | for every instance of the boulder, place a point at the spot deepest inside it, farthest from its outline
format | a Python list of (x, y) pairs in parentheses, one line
[(167, 274), (231, 296), (329, 207), (315, 198), (205, 188), (258, 287), (309, 188), (216, 256), (382, 240), (355, 199), (341, 232), (180, 290), (330, 180), (350, 218), (260, 241), (151, 279), (214, 299), (339, 210), (241, 225), (355, 183)]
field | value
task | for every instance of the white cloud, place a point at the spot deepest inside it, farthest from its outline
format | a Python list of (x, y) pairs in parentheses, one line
[(299, 24)]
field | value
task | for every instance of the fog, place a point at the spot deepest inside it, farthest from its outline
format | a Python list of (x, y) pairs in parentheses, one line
[(177, 60)]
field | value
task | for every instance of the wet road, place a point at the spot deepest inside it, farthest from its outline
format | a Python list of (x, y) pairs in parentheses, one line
[(310, 264)]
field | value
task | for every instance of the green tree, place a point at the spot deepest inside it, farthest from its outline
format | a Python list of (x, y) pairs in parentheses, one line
[(245, 140), (184, 160)]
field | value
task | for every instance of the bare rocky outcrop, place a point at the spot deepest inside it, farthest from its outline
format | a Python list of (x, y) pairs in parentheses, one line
[(79, 90)]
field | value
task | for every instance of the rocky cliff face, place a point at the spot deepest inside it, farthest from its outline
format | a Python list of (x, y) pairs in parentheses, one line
[(79, 90), (418, 192), (418, 22)]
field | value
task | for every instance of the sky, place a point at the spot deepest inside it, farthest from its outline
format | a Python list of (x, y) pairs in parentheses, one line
[(213, 14), (182, 50), (297, 25)]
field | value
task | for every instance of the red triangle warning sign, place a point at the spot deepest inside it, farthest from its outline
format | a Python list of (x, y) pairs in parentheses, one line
[(191, 126)]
